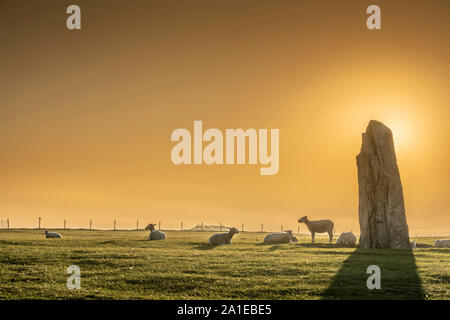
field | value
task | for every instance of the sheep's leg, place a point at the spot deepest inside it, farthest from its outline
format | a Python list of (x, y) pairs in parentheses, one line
[(330, 233), (313, 235)]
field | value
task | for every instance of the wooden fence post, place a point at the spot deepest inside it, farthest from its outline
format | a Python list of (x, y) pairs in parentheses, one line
[(90, 224), (262, 227), (39, 223), (242, 228), (114, 225), (64, 224), (7, 222), (159, 225), (181, 225)]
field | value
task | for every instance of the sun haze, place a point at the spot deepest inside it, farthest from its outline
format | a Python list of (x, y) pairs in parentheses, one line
[(86, 115)]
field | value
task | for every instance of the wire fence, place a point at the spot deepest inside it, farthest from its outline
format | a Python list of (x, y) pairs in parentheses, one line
[(7, 224)]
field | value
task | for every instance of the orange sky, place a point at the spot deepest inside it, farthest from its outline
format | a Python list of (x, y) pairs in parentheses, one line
[(86, 116)]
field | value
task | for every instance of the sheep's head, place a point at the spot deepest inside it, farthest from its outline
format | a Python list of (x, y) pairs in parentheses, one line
[(303, 219), (150, 227), (46, 231), (289, 232), (233, 231)]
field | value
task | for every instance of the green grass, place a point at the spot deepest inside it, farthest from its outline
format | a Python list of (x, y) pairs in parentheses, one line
[(124, 265)]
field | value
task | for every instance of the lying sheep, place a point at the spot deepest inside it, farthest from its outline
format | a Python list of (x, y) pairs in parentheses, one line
[(52, 234), (443, 243), (279, 237), (294, 239), (222, 238), (155, 234), (319, 226), (346, 239)]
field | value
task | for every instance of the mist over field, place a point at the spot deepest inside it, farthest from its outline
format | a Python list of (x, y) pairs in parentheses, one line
[(86, 120)]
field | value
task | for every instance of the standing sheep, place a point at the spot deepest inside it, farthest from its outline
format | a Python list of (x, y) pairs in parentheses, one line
[(222, 238), (52, 235), (155, 234), (319, 226), (279, 237)]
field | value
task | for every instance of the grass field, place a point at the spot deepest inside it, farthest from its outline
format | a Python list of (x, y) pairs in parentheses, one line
[(123, 265)]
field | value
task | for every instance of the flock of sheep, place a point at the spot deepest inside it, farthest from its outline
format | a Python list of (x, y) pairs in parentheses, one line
[(218, 239), (318, 226)]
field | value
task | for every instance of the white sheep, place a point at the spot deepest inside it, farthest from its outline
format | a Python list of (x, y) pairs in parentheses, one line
[(319, 226), (222, 238), (443, 243), (279, 237), (52, 234), (347, 239), (155, 234)]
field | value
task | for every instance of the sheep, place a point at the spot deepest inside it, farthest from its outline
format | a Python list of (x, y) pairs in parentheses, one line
[(222, 238), (52, 235), (346, 239), (280, 237), (443, 243), (155, 234), (319, 226)]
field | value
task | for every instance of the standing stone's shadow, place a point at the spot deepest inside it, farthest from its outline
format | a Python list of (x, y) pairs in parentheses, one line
[(399, 277)]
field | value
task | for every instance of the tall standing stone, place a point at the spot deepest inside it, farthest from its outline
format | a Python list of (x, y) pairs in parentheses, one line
[(382, 215)]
